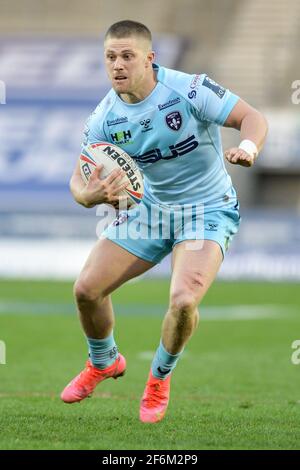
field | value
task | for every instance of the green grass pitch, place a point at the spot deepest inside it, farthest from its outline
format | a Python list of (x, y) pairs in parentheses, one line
[(234, 388)]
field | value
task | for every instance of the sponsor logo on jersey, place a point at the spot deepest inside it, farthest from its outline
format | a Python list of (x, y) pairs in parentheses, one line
[(182, 148), (211, 227), (120, 120), (169, 103), (174, 120), (121, 137), (192, 94), (146, 124), (215, 87), (194, 85)]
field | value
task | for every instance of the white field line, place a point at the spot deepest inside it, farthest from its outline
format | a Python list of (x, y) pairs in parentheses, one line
[(207, 313)]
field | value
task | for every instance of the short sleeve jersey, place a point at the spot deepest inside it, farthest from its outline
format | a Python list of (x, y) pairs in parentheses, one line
[(173, 135)]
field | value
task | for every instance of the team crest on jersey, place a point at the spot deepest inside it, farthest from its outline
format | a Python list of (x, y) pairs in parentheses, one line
[(174, 120)]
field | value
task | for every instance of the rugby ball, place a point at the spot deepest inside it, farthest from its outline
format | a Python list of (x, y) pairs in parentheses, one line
[(111, 157)]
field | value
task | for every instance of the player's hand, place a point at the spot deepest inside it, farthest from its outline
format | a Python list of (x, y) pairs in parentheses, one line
[(106, 190), (237, 156)]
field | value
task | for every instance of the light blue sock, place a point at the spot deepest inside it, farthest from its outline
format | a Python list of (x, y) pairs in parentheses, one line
[(103, 352), (163, 363)]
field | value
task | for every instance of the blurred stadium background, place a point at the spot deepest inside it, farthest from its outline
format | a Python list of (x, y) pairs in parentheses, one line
[(51, 63), (244, 390)]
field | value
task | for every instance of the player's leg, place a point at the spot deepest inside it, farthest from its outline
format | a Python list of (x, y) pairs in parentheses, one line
[(108, 266), (193, 273), (194, 269)]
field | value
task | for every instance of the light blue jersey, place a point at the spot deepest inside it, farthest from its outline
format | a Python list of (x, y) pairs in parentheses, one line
[(174, 136)]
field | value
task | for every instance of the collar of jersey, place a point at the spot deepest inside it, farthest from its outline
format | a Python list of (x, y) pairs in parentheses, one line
[(156, 67)]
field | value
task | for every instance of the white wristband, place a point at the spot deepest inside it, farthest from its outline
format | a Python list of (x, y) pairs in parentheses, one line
[(249, 147)]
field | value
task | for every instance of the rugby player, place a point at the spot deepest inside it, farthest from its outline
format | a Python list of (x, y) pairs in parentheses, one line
[(169, 122)]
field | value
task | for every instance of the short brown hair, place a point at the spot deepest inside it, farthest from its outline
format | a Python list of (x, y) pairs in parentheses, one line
[(127, 28)]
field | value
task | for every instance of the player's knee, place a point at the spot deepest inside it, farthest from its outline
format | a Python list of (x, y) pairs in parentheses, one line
[(183, 302), (187, 295), (84, 292)]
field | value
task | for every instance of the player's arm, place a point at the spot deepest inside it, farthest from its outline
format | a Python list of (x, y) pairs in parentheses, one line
[(253, 128), (97, 191)]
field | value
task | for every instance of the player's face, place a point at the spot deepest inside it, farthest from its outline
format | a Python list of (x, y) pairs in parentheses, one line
[(128, 63)]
